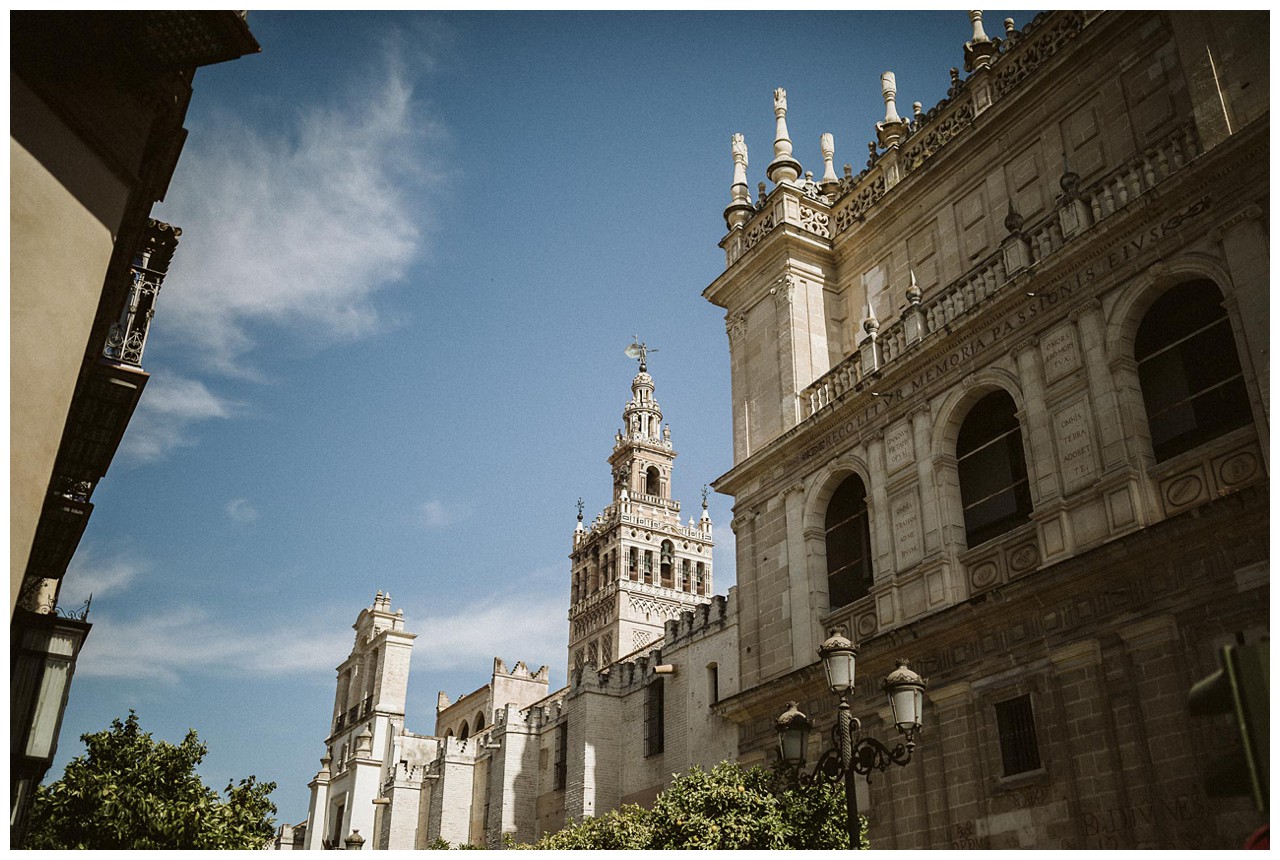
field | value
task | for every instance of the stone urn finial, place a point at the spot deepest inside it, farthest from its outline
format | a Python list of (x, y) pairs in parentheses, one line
[(783, 168)]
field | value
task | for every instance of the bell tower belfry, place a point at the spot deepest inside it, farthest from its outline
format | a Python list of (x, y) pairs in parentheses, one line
[(635, 565)]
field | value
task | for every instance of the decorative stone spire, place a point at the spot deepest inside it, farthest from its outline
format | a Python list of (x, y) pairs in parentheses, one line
[(894, 128), (979, 50), (1012, 220), (783, 168), (739, 210), (830, 182), (871, 325), (642, 417), (913, 289)]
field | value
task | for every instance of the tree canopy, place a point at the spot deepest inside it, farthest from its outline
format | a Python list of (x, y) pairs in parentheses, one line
[(131, 791), (726, 808)]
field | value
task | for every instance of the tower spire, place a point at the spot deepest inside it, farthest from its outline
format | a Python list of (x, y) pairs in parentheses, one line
[(636, 556)]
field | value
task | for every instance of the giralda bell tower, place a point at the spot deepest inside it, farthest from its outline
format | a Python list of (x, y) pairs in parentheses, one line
[(635, 566)]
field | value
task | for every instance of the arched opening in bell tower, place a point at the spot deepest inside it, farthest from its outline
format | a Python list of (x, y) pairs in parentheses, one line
[(651, 481), (666, 563)]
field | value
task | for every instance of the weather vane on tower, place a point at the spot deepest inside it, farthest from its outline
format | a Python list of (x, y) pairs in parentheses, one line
[(639, 351)]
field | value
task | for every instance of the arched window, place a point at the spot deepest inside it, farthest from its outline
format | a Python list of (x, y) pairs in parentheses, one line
[(685, 579), (479, 721), (633, 563), (651, 481), (666, 561), (648, 566), (993, 470), (848, 543), (464, 732), (1189, 370)]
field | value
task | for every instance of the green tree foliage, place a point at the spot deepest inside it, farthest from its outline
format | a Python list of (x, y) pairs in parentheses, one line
[(727, 808), (130, 791)]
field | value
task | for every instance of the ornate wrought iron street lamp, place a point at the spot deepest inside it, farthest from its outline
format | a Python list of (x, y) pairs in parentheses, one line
[(852, 754), (43, 658)]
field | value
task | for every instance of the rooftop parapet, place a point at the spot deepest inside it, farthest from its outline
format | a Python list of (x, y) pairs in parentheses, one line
[(999, 68)]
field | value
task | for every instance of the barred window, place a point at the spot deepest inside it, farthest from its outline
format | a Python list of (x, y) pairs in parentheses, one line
[(653, 718), (848, 543), (993, 470), (1189, 370), (648, 566), (1019, 751), (562, 755)]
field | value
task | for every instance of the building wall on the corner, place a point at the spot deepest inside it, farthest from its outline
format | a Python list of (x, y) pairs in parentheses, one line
[(1112, 601), (59, 250)]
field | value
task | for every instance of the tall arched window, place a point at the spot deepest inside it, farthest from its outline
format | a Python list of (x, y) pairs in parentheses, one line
[(848, 543), (479, 721), (651, 481), (993, 470), (464, 732), (1189, 370), (666, 561)]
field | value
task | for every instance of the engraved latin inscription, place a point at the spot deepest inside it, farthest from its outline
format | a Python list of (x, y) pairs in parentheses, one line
[(906, 528), (1075, 446), (1060, 354), (898, 450)]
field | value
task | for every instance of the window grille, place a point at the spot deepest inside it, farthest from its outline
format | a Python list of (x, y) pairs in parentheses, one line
[(1019, 751), (848, 543), (993, 470), (1189, 370), (562, 755), (653, 718)]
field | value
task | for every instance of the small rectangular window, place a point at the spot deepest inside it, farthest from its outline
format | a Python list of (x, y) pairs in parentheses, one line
[(654, 735), (713, 683), (562, 754), (1018, 748)]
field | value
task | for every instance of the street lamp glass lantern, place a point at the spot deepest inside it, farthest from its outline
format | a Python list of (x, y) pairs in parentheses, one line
[(906, 697), (838, 656), (793, 735)]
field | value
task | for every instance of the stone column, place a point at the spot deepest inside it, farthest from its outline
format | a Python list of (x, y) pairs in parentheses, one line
[(784, 293), (929, 517), (318, 814), (803, 616), (736, 329), (1244, 240), (1102, 389), (882, 522), (1042, 467)]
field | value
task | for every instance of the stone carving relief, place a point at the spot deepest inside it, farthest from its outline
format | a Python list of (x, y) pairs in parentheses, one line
[(854, 209), (1039, 47), (815, 222)]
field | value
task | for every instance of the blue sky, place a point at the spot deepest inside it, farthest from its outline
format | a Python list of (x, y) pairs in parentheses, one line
[(389, 353)]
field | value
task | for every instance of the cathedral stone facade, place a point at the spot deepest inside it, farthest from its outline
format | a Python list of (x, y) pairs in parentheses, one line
[(1000, 406)]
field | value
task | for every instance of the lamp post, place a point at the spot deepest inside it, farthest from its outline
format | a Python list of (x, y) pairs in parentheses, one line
[(45, 646), (854, 755)]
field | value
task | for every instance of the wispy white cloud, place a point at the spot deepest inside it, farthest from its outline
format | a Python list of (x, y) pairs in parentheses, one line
[(434, 514), (529, 627), (241, 510), (167, 645), (170, 405), (297, 226), (92, 573)]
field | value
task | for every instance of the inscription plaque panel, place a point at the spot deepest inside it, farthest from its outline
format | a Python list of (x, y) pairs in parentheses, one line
[(1060, 353), (1075, 446), (898, 449), (905, 510)]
